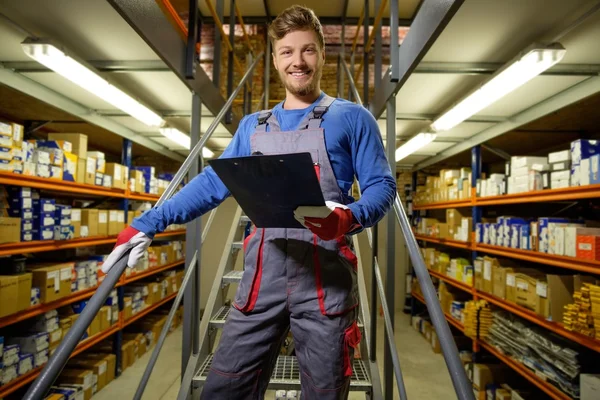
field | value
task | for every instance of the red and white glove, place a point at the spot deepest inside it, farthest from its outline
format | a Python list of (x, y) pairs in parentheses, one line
[(129, 238), (327, 222)]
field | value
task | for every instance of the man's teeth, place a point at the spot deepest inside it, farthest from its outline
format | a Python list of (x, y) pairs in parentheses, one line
[(299, 73)]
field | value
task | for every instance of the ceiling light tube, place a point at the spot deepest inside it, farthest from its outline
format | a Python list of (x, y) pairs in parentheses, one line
[(514, 74), (180, 138), (55, 59), (415, 143)]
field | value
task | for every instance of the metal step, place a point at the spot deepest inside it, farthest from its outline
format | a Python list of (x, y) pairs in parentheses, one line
[(233, 277), (286, 374), (237, 245)]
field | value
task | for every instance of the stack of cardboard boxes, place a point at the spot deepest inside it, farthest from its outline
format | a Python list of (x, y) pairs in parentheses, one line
[(583, 314), (458, 225), (455, 268), (13, 150), (142, 294), (450, 185)]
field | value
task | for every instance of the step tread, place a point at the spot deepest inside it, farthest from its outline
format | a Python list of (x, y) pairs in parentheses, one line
[(286, 374)]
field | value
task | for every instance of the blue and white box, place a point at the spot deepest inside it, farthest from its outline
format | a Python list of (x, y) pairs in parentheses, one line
[(63, 232), (515, 231), (11, 355), (44, 205), (543, 231), (27, 236), (45, 233), (493, 233), (25, 363), (525, 236), (582, 148), (22, 213), (27, 225), (595, 169), (19, 192), (43, 220), (479, 232), (35, 296), (40, 358), (486, 233), (18, 203), (62, 216)]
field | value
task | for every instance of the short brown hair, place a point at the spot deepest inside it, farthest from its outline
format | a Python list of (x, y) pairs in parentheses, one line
[(295, 18)]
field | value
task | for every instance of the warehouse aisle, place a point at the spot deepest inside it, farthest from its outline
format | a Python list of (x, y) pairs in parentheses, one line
[(425, 373)]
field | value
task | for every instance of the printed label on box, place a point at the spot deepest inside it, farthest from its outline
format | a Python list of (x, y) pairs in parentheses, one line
[(585, 246), (541, 289), (65, 274), (54, 275), (102, 368), (102, 218), (112, 216), (522, 285), (76, 215), (510, 280), (487, 270)]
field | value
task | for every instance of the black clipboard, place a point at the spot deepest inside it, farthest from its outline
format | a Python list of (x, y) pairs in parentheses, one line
[(270, 187)]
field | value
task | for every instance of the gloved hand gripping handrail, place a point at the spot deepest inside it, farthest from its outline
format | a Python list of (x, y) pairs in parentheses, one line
[(58, 360)]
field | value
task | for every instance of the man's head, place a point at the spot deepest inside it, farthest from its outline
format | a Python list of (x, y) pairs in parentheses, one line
[(298, 50)]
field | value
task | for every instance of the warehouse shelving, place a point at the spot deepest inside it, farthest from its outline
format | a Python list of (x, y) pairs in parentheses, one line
[(71, 187), (86, 344), (457, 324), (539, 196), (572, 263), (52, 245), (80, 295), (456, 283), (148, 310)]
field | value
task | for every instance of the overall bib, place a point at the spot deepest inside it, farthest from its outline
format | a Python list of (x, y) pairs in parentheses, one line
[(292, 279)]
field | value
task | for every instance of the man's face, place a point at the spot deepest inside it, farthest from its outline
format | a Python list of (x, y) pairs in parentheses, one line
[(299, 61)]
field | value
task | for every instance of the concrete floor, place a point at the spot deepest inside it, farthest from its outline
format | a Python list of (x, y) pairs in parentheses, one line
[(425, 373)]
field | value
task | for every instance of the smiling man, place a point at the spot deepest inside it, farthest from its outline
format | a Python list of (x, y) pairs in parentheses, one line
[(299, 279)]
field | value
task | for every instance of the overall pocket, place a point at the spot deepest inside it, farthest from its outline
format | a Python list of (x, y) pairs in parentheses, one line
[(247, 292)]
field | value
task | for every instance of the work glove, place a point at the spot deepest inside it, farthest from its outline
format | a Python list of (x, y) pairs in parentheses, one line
[(129, 238), (327, 222)]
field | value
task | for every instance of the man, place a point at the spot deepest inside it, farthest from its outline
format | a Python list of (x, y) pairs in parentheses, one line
[(304, 279)]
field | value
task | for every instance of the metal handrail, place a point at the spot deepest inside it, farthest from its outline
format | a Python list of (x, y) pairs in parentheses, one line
[(461, 384), (60, 357), (244, 33), (369, 43)]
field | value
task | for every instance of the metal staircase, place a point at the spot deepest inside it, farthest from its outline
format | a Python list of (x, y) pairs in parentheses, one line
[(286, 374)]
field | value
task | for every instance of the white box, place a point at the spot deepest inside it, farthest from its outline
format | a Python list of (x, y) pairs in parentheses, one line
[(526, 161), (561, 166), (571, 241), (559, 184), (522, 188), (523, 171), (560, 175), (576, 175), (33, 343), (41, 157), (559, 156), (589, 386), (522, 180), (557, 240), (584, 172)]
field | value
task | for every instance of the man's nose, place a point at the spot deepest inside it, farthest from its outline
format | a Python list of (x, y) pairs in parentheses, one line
[(298, 60)]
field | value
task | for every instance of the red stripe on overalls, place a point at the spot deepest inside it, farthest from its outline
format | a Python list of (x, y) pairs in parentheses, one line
[(252, 298)]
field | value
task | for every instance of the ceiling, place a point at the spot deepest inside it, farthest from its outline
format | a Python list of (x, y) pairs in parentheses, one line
[(480, 38)]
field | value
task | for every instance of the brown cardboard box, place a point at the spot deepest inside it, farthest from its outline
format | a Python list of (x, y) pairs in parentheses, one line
[(120, 220), (89, 217), (90, 171), (130, 216), (103, 222), (53, 280), (110, 359), (435, 343), (84, 377), (11, 230), (454, 216), (560, 293), (488, 267), (76, 222), (105, 318), (24, 291), (118, 173), (127, 307), (113, 228), (484, 374), (443, 232), (99, 367), (81, 170), (138, 177), (94, 327), (526, 290), (153, 293), (78, 141), (65, 324), (9, 288), (478, 273), (499, 280)]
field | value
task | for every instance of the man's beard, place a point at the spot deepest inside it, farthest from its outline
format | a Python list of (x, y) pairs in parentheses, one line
[(304, 89)]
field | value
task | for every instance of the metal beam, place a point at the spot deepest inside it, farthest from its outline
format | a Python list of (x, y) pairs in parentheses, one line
[(569, 96), (350, 21), (267, 13), (426, 28), (432, 117), (57, 100), (148, 20)]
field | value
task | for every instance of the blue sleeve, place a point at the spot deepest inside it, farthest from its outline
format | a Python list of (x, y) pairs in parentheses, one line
[(372, 170), (203, 193)]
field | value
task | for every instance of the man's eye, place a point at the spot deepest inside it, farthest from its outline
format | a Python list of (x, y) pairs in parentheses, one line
[(310, 50)]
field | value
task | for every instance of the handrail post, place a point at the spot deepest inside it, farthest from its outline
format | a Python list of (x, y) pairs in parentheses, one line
[(373, 327), (365, 59)]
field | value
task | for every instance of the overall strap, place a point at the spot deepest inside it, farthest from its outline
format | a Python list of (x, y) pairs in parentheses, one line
[(314, 118), (266, 118)]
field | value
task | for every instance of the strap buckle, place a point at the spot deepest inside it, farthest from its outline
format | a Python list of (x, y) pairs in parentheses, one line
[(318, 112), (263, 117)]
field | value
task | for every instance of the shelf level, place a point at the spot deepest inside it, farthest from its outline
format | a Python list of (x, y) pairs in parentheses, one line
[(457, 324), (539, 196), (522, 370), (453, 282), (445, 204), (572, 263), (53, 245), (446, 242), (555, 327), (151, 271), (20, 382)]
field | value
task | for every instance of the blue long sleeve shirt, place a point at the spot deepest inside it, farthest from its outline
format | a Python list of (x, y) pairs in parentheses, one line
[(354, 146)]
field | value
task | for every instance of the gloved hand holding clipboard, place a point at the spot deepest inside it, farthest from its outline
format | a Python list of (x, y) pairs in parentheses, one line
[(270, 187)]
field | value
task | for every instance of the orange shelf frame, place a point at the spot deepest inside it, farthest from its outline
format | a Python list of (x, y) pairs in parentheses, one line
[(445, 204), (555, 327), (457, 324), (142, 196), (570, 193), (451, 281), (548, 388), (151, 271), (18, 383), (148, 310), (52, 245), (572, 263), (58, 185), (446, 242)]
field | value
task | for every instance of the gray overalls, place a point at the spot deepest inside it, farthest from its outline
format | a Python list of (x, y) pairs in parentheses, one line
[(292, 279)]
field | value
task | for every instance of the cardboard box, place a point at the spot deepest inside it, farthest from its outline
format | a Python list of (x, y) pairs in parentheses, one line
[(24, 291), (487, 274), (99, 367), (559, 294), (525, 294), (118, 174), (8, 292), (589, 386), (111, 363), (499, 280), (113, 228), (54, 281), (81, 171), (90, 171), (89, 218), (127, 307), (84, 377), (79, 142), (103, 222), (76, 222), (10, 228), (484, 374)]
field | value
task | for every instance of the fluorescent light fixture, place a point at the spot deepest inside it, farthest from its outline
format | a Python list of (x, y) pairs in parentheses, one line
[(62, 64), (415, 143), (510, 77), (175, 135)]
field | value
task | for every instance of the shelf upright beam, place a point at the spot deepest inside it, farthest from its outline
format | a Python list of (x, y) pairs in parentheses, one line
[(366, 23), (476, 213), (230, 58), (217, 46)]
